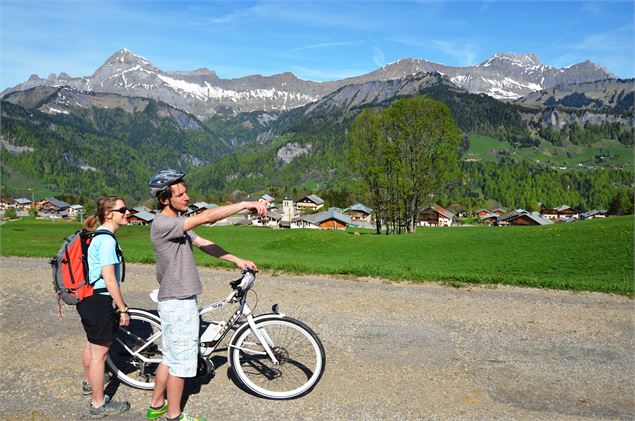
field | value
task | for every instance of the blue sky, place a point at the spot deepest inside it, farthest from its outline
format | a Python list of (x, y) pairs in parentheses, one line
[(318, 40)]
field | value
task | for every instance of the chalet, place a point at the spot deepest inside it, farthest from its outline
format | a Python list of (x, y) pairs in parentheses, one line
[(7, 203), (140, 209), (522, 217), (311, 203), (560, 212), (52, 207), (75, 210), (434, 216), (499, 211), (141, 218), (272, 219), (22, 204), (267, 198), (358, 213), (331, 219), (305, 221), (489, 219), (592, 214), (481, 213), (199, 207)]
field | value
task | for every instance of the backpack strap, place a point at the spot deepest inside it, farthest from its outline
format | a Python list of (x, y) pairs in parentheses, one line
[(119, 255)]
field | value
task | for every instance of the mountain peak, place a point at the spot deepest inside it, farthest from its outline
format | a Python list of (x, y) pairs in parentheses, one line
[(522, 60), (125, 56), (591, 66), (204, 71), (288, 76)]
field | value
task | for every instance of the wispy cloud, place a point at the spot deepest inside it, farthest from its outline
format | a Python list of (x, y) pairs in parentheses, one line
[(565, 32), (611, 49), (237, 15), (618, 39), (463, 54), (485, 5), (378, 57), (321, 75)]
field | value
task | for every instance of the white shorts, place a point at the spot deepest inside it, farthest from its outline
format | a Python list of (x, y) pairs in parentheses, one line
[(180, 324)]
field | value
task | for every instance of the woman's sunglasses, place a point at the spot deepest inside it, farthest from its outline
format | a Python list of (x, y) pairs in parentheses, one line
[(122, 210)]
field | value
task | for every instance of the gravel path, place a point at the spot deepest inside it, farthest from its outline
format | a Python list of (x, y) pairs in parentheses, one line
[(394, 351)]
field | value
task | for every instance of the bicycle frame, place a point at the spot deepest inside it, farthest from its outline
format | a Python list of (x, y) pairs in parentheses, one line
[(205, 350), (272, 355)]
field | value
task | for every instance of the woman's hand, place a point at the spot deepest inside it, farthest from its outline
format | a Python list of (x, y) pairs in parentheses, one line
[(124, 319)]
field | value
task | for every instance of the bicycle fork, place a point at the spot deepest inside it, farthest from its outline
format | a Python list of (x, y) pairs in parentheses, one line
[(263, 337)]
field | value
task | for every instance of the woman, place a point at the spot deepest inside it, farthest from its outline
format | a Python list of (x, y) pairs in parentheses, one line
[(99, 318)]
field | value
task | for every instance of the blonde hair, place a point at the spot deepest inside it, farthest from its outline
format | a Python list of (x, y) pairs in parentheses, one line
[(104, 204)]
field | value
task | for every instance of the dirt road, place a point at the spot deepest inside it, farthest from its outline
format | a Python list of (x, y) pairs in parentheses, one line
[(394, 351)]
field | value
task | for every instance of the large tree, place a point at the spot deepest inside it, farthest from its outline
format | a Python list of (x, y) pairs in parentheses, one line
[(405, 155)]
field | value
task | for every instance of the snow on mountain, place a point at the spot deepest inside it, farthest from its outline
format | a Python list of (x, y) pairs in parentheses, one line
[(506, 76)]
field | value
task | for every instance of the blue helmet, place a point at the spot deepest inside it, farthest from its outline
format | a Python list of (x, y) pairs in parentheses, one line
[(163, 180)]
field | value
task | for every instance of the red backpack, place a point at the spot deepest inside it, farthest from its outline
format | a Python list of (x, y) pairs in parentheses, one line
[(70, 267)]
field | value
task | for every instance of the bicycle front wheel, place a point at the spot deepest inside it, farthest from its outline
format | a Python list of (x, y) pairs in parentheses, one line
[(299, 353), (135, 353)]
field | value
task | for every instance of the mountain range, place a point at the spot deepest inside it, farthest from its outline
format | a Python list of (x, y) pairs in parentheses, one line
[(109, 132), (201, 92)]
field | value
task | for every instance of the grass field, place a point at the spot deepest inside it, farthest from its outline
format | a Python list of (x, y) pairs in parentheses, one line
[(487, 148), (592, 255)]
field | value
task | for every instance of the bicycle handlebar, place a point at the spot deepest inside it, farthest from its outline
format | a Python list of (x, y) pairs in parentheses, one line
[(245, 282)]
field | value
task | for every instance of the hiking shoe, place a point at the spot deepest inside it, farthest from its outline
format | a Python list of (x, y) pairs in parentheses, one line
[(109, 408), (185, 417), (87, 389), (154, 413)]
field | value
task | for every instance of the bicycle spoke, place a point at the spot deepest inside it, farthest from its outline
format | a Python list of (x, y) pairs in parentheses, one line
[(299, 356)]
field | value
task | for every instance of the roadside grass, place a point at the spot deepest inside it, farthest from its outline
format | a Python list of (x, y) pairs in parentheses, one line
[(594, 255)]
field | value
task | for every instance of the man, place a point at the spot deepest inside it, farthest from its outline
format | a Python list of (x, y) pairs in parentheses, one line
[(179, 280)]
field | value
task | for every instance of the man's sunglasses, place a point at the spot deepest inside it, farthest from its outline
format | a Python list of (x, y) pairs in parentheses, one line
[(122, 210)]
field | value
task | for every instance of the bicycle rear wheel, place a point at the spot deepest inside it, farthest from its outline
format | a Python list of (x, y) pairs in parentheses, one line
[(300, 355), (135, 353)]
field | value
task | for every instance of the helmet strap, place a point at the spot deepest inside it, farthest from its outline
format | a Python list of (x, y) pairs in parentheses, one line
[(172, 208)]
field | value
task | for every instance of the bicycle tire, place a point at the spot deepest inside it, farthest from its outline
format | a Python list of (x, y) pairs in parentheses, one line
[(132, 370), (300, 353)]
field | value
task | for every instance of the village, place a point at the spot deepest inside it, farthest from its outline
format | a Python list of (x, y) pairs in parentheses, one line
[(309, 212)]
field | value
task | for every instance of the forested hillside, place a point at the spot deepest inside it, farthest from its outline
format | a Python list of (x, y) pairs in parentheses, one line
[(98, 150), (318, 135), (91, 150)]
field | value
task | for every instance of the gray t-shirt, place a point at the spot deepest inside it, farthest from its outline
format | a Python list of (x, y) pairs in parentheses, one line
[(176, 269)]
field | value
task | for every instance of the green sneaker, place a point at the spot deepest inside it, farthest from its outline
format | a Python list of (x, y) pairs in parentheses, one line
[(154, 413)]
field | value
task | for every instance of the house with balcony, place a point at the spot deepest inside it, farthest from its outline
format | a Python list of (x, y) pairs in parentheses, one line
[(309, 203), (434, 216)]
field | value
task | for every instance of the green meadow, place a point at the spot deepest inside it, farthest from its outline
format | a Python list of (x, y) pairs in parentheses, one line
[(594, 255), (487, 148)]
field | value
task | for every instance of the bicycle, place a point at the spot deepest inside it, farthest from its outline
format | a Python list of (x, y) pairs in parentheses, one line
[(271, 355)]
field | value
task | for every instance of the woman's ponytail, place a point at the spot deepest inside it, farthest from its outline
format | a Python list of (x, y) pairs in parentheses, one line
[(90, 222)]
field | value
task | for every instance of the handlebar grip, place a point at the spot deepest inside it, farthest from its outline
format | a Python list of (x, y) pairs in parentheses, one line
[(248, 276)]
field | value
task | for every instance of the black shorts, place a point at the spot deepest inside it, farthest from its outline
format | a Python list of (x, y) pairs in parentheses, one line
[(99, 318)]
